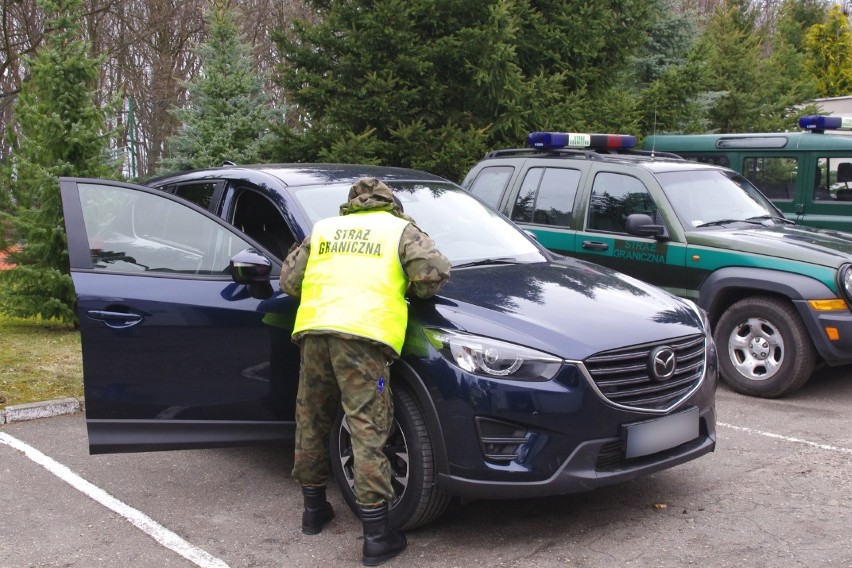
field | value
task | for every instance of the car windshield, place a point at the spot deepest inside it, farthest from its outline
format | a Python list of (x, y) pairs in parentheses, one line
[(464, 229), (707, 198)]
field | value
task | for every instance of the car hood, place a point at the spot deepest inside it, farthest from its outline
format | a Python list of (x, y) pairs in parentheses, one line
[(570, 308), (805, 244)]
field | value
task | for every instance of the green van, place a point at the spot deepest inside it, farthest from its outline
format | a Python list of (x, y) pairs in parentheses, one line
[(807, 174)]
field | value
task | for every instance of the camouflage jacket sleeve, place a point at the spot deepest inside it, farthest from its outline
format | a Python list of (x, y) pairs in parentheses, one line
[(426, 268), (293, 269)]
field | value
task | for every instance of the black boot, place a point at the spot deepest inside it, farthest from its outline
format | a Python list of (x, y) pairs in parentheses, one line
[(318, 511), (381, 542)]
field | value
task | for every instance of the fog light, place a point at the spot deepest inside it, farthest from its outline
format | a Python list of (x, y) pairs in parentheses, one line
[(501, 441)]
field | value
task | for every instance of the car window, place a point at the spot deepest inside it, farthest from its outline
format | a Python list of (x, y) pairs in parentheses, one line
[(259, 218), (774, 176), (547, 196), (490, 183), (133, 231), (613, 198), (463, 228), (199, 193)]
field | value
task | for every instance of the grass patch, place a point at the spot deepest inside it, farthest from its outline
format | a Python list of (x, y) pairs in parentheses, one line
[(39, 360)]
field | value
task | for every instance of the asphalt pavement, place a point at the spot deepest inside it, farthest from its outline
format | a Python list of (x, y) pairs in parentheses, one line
[(776, 493)]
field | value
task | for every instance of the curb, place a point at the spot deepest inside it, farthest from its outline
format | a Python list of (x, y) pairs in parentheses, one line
[(35, 410)]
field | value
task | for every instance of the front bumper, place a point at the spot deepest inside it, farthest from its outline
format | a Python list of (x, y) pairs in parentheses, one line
[(833, 352), (593, 464)]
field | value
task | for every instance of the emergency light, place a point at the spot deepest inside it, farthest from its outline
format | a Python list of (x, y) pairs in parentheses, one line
[(816, 122), (557, 140)]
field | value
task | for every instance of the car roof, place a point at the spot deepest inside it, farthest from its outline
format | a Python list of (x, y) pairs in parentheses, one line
[(293, 175), (653, 162)]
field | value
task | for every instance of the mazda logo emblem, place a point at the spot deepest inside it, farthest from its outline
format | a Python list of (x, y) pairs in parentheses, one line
[(661, 363)]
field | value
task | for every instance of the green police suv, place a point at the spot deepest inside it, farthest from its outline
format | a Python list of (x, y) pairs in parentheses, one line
[(778, 294)]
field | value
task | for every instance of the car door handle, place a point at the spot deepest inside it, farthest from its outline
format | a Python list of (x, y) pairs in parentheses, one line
[(115, 319), (595, 245)]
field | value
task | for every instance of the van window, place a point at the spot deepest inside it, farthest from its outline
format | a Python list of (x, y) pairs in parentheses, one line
[(838, 175), (490, 183), (547, 196), (774, 176), (613, 198)]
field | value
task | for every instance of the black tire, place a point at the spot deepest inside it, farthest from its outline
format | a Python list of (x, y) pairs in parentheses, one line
[(764, 348), (418, 499)]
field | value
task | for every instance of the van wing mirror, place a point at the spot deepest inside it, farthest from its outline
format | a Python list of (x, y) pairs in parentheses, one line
[(642, 225)]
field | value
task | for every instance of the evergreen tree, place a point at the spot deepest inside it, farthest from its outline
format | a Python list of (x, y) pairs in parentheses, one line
[(665, 78), (787, 62), (829, 49), (229, 117), (744, 92), (62, 133), (433, 85)]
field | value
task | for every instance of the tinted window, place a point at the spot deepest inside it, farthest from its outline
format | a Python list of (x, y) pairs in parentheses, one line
[(199, 193), (257, 217), (547, 196), (613, 198), (714, 159), (131, 231), (775, 177), (490, 183)]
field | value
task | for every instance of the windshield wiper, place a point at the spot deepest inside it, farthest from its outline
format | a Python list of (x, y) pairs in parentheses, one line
[(486, 261), (772, 218), (752, 220)]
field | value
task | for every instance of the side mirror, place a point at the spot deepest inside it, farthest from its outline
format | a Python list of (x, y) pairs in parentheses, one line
[(251, 268), (641, 225)]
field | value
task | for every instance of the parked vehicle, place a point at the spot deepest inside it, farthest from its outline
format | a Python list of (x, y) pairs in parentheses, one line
[(807, 174), (778, 295), (527, 376)]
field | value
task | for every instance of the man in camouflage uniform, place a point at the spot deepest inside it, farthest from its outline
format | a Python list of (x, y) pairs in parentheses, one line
[(352, 274)]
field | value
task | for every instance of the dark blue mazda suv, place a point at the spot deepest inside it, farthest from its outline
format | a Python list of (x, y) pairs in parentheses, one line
[(529, 375)]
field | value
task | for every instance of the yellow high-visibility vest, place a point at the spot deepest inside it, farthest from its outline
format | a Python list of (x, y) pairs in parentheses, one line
[(354, 281)]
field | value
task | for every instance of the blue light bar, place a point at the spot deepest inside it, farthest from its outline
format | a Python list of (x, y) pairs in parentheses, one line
[(557, 140), (816, 122)]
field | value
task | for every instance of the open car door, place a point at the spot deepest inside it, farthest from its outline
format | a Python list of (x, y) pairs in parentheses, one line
[(176, 353)]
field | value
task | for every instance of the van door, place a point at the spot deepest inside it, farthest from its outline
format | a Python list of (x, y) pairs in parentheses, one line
[(613, 197)]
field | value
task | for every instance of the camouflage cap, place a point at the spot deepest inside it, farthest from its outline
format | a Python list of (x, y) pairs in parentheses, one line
[(367, 189), (372, 194)]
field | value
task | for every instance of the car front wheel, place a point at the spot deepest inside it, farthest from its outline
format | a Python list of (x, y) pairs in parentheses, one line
[(764, 347), (418, 500)]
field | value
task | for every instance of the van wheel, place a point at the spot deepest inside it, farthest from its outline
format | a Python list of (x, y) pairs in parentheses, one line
[(764, 348), (418, 500)]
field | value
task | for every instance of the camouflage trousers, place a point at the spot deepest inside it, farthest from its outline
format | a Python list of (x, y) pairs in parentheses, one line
[(353, 373)]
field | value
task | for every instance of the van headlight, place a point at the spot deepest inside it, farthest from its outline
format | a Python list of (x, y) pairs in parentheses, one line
[(846, 281), (493, 358)]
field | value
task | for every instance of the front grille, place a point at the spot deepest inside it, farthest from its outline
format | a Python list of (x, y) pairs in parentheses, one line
[(624, 378)]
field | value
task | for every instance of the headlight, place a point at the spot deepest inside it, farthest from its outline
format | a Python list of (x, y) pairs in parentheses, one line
[(493, 358), (846, 281)]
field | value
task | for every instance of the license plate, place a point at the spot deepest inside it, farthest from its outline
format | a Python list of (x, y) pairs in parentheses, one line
[(644, 438)]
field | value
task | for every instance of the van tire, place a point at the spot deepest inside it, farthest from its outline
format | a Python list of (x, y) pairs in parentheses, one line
[(764, 348)]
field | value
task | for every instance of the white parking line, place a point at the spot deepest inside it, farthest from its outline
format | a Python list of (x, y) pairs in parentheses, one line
[(143, 522), (787, 438)]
